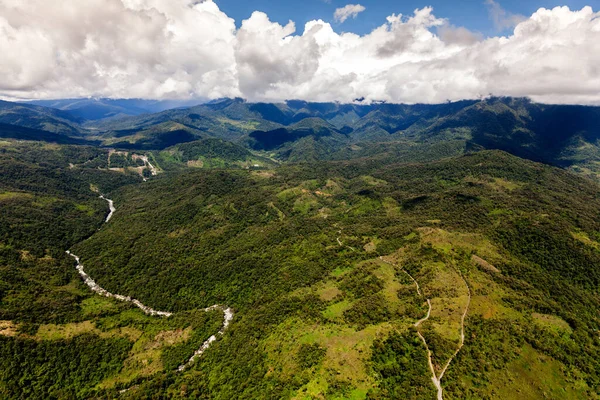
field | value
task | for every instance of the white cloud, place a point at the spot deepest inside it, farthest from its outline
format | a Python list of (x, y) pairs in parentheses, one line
[(348, 11), (148, 48), (502, 18), (451, 34), (185, 48), (268, 55)]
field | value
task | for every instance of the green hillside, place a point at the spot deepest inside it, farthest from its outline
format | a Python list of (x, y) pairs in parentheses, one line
[(39, 118), (210, 153), (298, 131), (363, 250), (318, 262)]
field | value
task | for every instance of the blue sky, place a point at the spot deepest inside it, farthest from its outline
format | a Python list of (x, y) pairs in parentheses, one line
[(472, 14)]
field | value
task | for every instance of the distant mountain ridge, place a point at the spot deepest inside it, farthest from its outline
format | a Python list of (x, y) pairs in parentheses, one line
[(562, 135), (38, 117), (94, 109)]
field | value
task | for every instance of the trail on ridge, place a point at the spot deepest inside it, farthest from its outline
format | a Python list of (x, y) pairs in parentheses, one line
[(437, 379)]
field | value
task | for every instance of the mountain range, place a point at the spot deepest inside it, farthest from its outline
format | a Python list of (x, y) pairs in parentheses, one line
[(298, 131), (100, 108), (299, 250)]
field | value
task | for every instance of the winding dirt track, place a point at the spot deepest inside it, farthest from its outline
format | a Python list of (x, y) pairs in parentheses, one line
[(227, 312), (462, 330), (419, 322), (435, 378), (342, 244)]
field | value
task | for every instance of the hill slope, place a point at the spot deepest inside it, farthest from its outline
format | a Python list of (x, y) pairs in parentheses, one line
[(40, 118), (57, 338), (321, 263), (318, 313)]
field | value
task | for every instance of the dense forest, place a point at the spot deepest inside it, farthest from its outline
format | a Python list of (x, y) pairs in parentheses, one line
[(268, 244), (58, 340), (318, 260)]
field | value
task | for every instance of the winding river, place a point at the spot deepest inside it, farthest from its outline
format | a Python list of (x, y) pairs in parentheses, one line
[(227, 312)]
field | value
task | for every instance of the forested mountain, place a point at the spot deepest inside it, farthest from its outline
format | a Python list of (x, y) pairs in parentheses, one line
[(319, 262), (297, 131), (8, 131), (37, 117), (93, 109), (364, 251)]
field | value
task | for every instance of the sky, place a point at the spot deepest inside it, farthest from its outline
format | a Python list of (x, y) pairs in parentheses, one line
[(402, 51), (472, 14)]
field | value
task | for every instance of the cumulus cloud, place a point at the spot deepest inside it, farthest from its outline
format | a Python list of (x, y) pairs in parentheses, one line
[(348, 11), (121, 48), (268, 55), (185, 48)]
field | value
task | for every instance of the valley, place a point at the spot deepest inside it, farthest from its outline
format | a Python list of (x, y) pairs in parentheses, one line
[(234, 133), (272, 200), (227, 312), (414, 268)]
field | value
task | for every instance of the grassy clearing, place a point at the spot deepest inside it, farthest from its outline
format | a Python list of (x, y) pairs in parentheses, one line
[(498, 212), (535, 376), (335, 312), (469, 242), (486, 266), (244, 125), (328, 291), (392, 285), (585, 239), (487, 298), (552, 322), (289, 194), (306, 203), (44, 201), (347, 351), (85, 208), (15, 195), (67, 331), (340, 271), (392, 207), (500, 183)]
